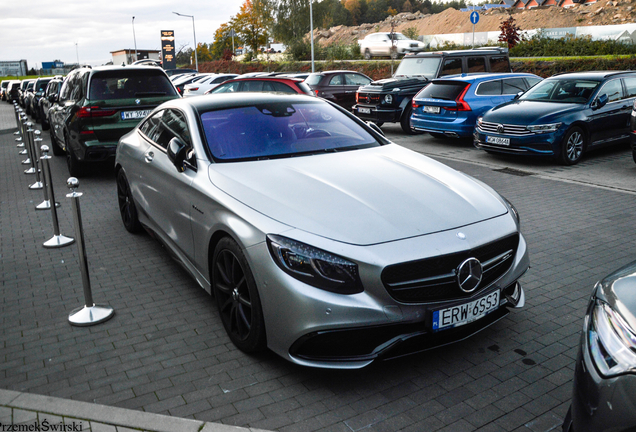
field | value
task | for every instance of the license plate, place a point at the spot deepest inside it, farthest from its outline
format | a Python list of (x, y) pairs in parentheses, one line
[(364, 110), (498, 140), (431, 109), (134, 115), (466, 313)]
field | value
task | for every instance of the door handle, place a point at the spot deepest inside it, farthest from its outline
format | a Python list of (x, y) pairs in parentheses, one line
[(149, 156)]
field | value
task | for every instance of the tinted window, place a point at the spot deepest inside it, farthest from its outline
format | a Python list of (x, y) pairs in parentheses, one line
[(499, 64), (125, 84), (613, 89), (278, 87), (630, 86), (451, 67), (165, 125), (281, 129), (476, 64), (252, 86), (313, 79), (41, 85), (336, 80), (489, 88), (356, 79), (532, 81), (512, 86), (446, 90), (227, 87), (150, 127)]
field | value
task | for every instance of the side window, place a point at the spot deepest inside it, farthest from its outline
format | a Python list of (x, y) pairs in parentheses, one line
[(228, 88), (66, 87), (512, 86), (630, 86), (532, 81), (165, 125), (151, 125), (451, 67), (476, 64), (613, 89), (355, 79), (76, 91), (499, 64), (336, 80), (283, 88), (252, 86), (489, 88)]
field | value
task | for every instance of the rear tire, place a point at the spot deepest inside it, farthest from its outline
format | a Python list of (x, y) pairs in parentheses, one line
[(127, 208), (75, 167), (55, 146), (405, 121)]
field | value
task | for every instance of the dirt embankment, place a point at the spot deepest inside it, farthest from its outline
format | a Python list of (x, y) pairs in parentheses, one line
[(603, 12)]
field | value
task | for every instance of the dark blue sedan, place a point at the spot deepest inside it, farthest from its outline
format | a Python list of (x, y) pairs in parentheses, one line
[(450, 106), (562, 117)]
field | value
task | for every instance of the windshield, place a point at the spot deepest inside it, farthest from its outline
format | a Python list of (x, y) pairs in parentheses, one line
[(562, 90), (398, 36), (419, 66), (281, 129)]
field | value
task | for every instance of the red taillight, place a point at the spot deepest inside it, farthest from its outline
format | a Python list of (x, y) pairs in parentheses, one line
[(415, 104), (194, 89), (94, 111), (316, 91), (462, 105), (179, 90)]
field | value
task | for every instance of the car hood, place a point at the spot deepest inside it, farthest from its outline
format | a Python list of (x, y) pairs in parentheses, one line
[(520, 112), (360, 197), (391, 83), (619, 291)]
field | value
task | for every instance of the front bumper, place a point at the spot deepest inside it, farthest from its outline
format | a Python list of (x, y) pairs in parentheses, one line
[(378, 113), (548, 144), (599, 403), (317, 328)]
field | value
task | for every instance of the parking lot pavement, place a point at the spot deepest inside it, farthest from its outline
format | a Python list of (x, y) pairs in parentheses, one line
[(166, 352)]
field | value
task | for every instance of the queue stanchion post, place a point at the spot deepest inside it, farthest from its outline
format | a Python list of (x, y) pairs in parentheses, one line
[(31, 149), (25, 142), (58, 240), (90, 313), (37, 141)]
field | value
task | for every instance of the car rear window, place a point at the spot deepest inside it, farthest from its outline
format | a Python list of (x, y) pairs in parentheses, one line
[(281, 129), (42, 85), (313, 79), (124, 84), (445, 90)]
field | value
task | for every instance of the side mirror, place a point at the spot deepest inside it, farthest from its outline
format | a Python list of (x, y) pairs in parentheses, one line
[(177, 153), (375, 127), (600, 102)]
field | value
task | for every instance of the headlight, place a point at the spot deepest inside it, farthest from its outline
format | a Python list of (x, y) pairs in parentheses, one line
[(388, 99), (612, 341), (513, 210), (479, 121), (314, 266), (544, 128)]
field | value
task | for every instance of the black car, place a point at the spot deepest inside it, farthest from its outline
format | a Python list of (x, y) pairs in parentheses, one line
[(51, 94), (173, 72), (604, 393), (337, 86), (34, 96), (562, 117), (22, 93), (389, 100), (97, 106)]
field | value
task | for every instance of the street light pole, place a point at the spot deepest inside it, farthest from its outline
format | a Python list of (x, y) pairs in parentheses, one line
[(77, 53), (311, 31), (135, 39), (196, 60)]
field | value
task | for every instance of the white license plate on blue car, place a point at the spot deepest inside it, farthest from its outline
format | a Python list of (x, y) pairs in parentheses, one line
[(498, 140), (134, 115), (431, 109), (465, 313)]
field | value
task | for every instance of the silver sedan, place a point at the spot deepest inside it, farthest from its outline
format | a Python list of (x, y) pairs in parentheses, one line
[(319, 238)]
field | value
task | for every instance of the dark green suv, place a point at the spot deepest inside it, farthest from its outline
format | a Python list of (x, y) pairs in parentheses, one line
[(97, 106)]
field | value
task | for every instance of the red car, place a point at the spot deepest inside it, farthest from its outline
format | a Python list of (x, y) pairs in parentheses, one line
[(263, 84)]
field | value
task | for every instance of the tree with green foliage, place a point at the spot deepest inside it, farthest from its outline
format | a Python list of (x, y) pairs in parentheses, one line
[(253, 23), (223, 41)]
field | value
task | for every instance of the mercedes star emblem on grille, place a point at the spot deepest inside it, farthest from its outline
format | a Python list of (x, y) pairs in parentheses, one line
[(469, 274), (500, 129)]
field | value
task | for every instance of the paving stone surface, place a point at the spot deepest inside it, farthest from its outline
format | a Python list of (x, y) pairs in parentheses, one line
[(165, 351)]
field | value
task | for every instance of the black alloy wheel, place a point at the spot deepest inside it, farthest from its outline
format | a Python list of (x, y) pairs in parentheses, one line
[(573, 146), (55, 145), (237, 297), (127, 207)]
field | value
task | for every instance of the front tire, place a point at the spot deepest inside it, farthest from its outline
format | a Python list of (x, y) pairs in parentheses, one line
[(405, 121), (237, 297), (127, 207), (573, 146)]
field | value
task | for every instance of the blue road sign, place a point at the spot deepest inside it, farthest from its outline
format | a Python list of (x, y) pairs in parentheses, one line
[(474, 17)]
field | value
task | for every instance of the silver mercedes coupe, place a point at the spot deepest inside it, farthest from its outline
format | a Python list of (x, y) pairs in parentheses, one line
[(319, 238)]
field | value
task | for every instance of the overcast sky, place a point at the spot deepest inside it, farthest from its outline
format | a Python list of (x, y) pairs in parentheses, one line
[(45, 30)]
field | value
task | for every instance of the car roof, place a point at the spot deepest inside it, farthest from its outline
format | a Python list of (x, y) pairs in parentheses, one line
[(267, 78), (234, 100), (477, 51), (474, 77), (591, 75)]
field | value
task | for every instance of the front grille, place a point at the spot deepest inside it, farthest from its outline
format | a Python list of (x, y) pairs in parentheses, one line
[(514, 130), (369, 98), (435, 279)]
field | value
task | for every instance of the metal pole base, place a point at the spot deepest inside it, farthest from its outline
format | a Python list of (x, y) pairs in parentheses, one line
[(27, 161), (88, 316), (58, 241), (36, 185), (46, 205), (23, 152)]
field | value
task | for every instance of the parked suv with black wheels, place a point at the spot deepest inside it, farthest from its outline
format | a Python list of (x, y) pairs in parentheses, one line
[(51, 94), (389, 100), (33, 97), (97, 106)]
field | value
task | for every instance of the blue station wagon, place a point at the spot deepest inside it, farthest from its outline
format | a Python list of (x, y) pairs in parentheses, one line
[(450, 106)]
